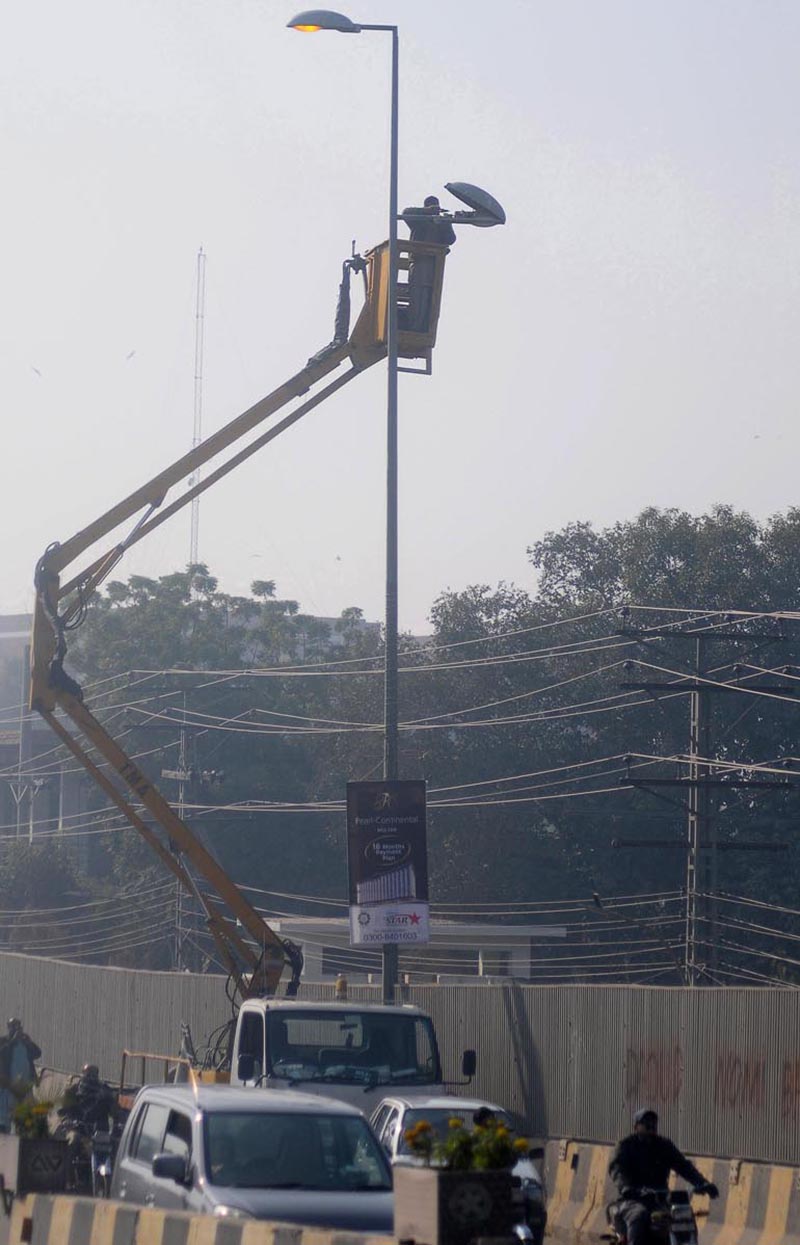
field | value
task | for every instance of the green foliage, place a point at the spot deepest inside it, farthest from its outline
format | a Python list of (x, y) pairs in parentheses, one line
[(31, 1116), (720, 560), (558, 834), (513, 686), (37, 876), (246, 728)]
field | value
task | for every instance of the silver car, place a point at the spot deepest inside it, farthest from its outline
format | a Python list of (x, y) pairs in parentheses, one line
[(393, 1117), (268, 1155)]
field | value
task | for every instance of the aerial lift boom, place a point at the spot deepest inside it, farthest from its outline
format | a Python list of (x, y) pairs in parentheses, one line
[(253, 953)]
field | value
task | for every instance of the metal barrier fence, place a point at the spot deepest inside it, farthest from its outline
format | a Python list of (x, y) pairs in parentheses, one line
[(721, 1066)]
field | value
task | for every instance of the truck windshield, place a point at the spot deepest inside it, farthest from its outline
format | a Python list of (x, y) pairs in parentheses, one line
[(272, 1150), (366, 1048)]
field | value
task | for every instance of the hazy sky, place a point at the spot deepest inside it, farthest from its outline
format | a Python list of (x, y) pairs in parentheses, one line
[(630, 337)]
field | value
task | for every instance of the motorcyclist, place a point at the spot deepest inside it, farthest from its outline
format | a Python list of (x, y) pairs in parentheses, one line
[(88, 1107), (644, 1160), (89, 1101)]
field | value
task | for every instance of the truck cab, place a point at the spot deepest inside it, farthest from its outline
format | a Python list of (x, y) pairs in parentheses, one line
[(355, 1052)]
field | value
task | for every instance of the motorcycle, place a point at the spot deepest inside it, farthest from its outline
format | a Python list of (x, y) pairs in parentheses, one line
[(90, 1157), (672, 1220), (101, 1158), (85, 1125)]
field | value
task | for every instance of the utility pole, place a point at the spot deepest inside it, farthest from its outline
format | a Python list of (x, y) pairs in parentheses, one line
[(191, 782), (701, 846), (702, 849), (182, 767), (182, 775), (22, 789), (199, 332)]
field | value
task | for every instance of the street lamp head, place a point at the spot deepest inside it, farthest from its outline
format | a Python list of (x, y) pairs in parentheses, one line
[(486, 211), (313, 20)]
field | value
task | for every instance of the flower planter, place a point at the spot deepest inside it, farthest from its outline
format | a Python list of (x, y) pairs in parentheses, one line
[(433, 1206), (33, 1164)]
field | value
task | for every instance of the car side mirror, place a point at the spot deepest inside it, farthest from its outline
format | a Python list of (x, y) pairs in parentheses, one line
[(469, 1062), (245, 1068), (171, 1167)]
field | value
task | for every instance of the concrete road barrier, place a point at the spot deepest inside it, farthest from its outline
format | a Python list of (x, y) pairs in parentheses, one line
[(759, 1203), (43, 1220)]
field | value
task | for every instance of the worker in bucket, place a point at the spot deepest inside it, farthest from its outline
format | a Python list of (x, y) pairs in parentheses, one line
[(425, 224)]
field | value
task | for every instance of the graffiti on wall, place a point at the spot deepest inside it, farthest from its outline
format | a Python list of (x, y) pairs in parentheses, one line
[(790, 1089), (740, 1080), (653, 1075)]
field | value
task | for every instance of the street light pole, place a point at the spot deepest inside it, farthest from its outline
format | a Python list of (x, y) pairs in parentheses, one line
[(324, 19), (390, 750), (391, 766)]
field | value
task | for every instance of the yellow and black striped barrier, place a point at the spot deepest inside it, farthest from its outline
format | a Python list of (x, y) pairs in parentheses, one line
[(46, 1220), (759, 1203)]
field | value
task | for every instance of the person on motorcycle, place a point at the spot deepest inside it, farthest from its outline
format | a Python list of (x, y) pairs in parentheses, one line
[(89, 1102), (88, 1107), (644, 1160)]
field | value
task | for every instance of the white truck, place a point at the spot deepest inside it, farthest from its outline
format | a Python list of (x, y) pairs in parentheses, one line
[(356, 1052)]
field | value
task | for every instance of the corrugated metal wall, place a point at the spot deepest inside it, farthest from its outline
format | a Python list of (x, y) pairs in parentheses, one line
[(722, 1067)]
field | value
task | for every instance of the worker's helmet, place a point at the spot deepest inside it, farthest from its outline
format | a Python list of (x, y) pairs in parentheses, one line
[(14, 1025), (90, 1072)]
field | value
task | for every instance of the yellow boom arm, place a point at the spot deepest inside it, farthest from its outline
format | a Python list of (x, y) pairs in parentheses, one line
[(255, 970)]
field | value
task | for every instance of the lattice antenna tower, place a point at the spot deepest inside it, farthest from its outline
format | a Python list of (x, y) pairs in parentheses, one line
[(199, 330)]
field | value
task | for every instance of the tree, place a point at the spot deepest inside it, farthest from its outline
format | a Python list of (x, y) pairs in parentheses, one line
[(513, 711), (183, 642), (35, 880), (681, 567)]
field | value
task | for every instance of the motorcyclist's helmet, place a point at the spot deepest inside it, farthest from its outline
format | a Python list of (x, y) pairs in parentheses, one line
[(90, 1072), (648, 1117), (14, 1025)]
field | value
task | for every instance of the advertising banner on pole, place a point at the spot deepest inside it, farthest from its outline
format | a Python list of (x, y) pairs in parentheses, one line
[(387, 857)]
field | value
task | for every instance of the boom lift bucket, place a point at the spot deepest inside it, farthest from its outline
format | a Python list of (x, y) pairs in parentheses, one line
[(419, 299)]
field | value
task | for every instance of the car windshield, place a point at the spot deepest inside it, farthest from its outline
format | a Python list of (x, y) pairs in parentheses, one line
[(365, 1048), (270, 1150), (439, 1119)]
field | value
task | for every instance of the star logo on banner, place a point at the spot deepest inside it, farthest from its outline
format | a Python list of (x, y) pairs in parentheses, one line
[(415, 918)]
